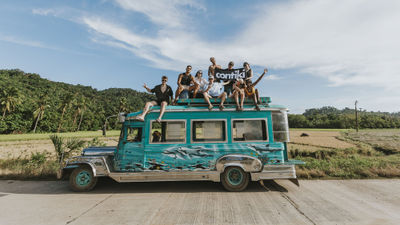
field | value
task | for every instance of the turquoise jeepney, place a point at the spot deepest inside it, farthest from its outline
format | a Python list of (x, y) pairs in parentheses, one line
[(193, 143)]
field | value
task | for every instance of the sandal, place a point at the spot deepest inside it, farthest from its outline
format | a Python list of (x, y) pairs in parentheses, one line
[(158, 120), (237, 108), (140, 118), (221, 107), (257, 108), (210, 108)]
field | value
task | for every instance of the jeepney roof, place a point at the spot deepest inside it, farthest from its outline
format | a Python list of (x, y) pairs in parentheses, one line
[(188, 105)]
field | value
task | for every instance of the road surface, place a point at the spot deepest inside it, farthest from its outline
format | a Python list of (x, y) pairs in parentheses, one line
[(279, 202)]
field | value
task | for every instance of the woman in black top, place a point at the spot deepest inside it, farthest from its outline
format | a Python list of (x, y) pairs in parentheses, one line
[(163, 94)]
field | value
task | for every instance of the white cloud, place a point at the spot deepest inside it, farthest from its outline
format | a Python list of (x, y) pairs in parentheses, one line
[(20, 41), (165, 13), (272, 77), (346, 42)]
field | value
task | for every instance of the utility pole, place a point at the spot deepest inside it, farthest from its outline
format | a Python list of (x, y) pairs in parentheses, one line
[(355, 109)]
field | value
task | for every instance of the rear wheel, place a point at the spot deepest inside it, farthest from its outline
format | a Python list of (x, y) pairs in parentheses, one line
[(82, 179), (234, 179)]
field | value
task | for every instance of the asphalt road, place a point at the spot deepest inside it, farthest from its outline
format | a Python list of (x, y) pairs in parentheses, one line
[(280, 202)]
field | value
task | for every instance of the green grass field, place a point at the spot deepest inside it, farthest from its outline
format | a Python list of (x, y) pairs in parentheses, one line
[(41, 136)]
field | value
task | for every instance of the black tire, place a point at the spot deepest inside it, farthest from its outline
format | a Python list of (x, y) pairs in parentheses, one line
[(235, 179), (82, 179)]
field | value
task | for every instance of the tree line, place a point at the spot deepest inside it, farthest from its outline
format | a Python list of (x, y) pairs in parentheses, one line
[(29, 103), (330, 117)]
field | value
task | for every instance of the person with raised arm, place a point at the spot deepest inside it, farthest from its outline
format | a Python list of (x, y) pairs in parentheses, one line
[(238, 91), (211, 68), (163, 94), (252, 92)]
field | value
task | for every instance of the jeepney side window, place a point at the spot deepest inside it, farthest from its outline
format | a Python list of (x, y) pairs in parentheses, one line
[(134, 134), (280, 126), (168, 132), (208, 131), (249, 130)]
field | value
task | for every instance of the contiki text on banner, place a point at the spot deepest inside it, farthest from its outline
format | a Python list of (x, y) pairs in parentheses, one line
[(232, 74)]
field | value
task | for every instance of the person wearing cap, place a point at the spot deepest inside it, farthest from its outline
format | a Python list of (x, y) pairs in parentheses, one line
[(211, 69), (185, 82), (215, 90), (228, 88), (201, 82), (248, 71), (163, 94), (250, 90)]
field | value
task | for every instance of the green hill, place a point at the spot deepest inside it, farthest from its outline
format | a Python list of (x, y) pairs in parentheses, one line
[(27, 100)]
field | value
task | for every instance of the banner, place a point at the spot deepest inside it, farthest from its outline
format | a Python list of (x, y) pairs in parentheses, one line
[(232, 74)]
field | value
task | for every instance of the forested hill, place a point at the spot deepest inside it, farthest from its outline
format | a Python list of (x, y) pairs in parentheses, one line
[(330, 117), (29, 102)]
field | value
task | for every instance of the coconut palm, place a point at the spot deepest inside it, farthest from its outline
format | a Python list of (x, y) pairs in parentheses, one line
[(65, 104), (81, 108), (9, 99), (39, 112)]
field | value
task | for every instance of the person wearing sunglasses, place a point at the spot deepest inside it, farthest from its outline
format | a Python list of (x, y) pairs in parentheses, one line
[(163, 94), (185, 83), (201, 82)]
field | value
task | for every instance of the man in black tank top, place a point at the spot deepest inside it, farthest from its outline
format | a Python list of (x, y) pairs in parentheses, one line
[(186, 82)]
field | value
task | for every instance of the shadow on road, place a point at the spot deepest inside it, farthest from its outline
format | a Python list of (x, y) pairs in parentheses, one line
[(107, 185)]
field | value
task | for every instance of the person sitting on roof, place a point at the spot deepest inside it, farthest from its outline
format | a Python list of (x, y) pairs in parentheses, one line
[(229, 86), (163, 94), (201, 82), (252, 92), (186, 83), (211, 68), (248, 71), (238, 91), (215, 90)]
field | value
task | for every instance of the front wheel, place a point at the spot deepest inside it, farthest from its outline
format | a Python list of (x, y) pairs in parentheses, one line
[(234, 179), (82, 179)]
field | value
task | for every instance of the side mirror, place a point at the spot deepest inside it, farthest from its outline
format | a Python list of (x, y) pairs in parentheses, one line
[(121, 117)]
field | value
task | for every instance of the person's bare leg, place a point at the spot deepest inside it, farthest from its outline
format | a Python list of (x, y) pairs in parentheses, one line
[(223, 97), (177, 93), (195, 89), (241, 99), (146, 110), (162, 110), (206, 97), (258, 97), (254, 97), (236, 97)]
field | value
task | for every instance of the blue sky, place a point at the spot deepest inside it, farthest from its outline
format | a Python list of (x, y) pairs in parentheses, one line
[(319, 53)]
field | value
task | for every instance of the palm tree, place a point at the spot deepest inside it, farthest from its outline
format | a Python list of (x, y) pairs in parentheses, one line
[(81, 108), (9, 98), (65, 104), (39, 112)]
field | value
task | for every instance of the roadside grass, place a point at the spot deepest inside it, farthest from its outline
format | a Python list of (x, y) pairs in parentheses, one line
[(42, 136), (376, 154), (37, 166)]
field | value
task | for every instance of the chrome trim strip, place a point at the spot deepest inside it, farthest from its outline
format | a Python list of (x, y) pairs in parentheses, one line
[(275, 172), (154, 176)]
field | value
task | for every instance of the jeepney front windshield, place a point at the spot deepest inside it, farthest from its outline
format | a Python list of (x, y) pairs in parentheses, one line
[(280, 126)]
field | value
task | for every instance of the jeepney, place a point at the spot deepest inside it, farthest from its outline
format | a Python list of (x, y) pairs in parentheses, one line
[(192, 144)]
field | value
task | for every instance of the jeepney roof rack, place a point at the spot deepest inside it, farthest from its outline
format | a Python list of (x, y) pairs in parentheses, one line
[(228, 101)]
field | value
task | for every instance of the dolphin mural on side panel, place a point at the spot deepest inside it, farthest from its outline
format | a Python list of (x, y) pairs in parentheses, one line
[(188, 153), (262, 148)]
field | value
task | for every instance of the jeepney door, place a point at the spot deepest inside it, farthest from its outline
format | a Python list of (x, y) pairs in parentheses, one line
[(131, 150)]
